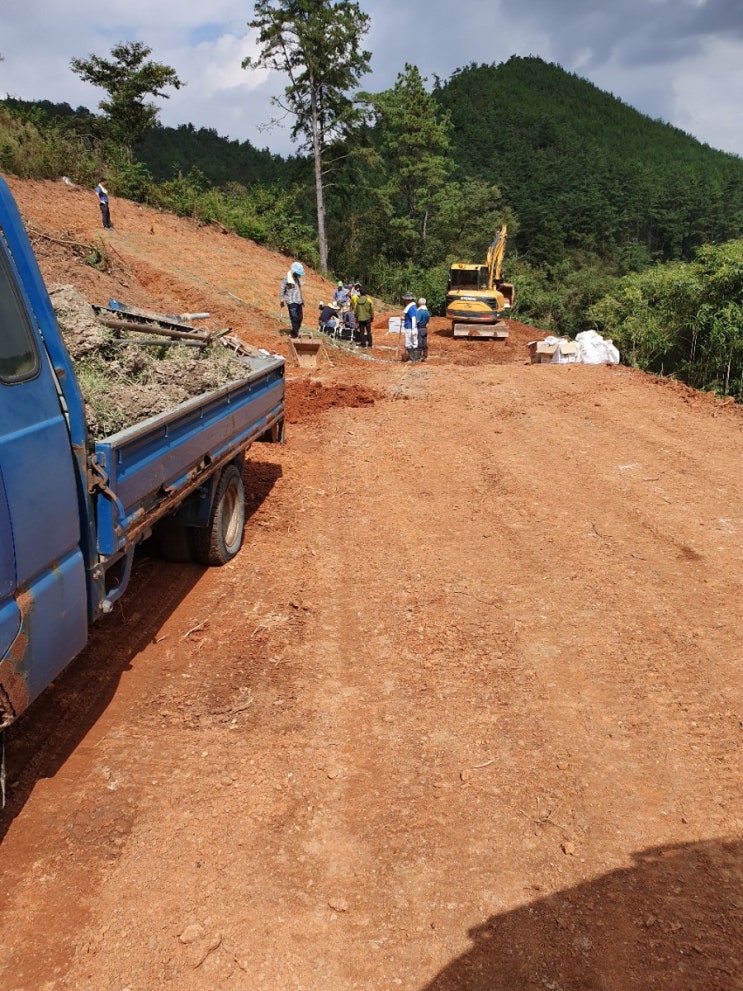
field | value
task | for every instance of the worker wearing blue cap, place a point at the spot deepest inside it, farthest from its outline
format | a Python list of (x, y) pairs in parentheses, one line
[(291, 295)]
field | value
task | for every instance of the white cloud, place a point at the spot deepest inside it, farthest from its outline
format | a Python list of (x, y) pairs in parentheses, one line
[(221, 62), (712, 113), (676, 60)]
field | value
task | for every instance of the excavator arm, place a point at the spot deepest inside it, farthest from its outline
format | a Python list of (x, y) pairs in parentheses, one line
[(494, 259)]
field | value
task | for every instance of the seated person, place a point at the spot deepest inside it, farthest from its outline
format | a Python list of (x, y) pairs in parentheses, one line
[(328, 319), (349, 325)]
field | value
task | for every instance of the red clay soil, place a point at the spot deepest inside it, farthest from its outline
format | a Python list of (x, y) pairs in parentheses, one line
[(463, 715)]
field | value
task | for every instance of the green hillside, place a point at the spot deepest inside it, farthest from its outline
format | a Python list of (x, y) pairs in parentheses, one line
[(579, 173), (166, 151)]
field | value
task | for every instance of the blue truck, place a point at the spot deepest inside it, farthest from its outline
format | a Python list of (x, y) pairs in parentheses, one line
[(73, 509)]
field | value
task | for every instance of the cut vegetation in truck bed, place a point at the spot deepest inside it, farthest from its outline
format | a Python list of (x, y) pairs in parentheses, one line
[(124, 382)]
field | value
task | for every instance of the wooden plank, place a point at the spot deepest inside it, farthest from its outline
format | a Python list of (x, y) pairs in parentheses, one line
[(114, 323)]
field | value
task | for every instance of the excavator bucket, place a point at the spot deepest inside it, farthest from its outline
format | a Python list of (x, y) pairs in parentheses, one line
[(308, 351)]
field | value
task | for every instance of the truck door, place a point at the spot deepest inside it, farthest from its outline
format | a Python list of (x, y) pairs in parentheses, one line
[(10, 617), (43, 609)]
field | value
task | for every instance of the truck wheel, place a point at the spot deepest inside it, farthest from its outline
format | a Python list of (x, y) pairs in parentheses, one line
[(219, 542)]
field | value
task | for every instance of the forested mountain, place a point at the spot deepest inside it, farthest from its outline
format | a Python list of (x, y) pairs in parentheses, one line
[(580, 174), (584, 171), (166, 151)]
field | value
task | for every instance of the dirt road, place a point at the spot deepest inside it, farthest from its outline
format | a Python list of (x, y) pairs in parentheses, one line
[(463, 715)]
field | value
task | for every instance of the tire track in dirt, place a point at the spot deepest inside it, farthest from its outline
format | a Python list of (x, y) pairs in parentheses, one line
[(571, 712), (386, 656)]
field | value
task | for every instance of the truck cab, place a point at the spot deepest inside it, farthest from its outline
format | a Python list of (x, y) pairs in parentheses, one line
[(43, 598)]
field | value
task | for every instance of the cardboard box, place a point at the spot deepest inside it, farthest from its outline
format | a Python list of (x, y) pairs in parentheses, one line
[(541, 352), (555, 352)]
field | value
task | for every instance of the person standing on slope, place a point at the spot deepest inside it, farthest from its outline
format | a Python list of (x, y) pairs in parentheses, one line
[(291, 295), (410, 328), (363, 307), (341, 295), (102, 194)]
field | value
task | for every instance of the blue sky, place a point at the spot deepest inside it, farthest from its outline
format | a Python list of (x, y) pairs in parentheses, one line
[(680, 61)]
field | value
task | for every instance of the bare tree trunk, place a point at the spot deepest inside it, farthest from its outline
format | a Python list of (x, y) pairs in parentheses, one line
[(322, 236)]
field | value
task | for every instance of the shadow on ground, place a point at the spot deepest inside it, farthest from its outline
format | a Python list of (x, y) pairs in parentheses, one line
[(42, 739), (672, 922)]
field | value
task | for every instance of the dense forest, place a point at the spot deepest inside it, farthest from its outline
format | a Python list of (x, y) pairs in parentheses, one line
[(615, 220), (583, 172)]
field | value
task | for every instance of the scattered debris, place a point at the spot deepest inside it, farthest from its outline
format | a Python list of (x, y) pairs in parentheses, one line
[(203, 625), (215, 941), (191, 934), (553, 351), (588, 348)]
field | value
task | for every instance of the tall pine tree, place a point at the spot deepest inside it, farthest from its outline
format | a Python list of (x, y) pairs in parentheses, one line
[(416, 150), (318, 46)]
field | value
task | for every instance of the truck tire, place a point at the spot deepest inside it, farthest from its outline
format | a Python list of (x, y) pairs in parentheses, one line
[(220, 541)]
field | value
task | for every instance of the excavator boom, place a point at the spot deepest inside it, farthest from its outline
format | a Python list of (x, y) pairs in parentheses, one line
[(496, 251)]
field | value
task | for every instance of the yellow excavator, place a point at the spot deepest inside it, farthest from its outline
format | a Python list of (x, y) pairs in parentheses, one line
[(477, 297)]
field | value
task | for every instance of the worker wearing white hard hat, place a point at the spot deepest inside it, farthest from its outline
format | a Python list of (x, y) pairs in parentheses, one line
[(422, 316)]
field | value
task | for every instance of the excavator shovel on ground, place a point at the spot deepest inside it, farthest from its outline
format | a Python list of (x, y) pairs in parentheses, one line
[(308, 351)]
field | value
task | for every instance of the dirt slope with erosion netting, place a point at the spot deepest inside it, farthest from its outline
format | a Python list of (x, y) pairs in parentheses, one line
[(463, 714)]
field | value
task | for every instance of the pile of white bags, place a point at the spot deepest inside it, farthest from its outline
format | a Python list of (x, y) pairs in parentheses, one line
[(594, 350)]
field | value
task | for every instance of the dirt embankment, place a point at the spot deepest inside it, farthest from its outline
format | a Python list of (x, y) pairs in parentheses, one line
[(463, 714)]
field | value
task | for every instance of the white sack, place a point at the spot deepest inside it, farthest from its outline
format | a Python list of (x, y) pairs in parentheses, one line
[(594, 350)]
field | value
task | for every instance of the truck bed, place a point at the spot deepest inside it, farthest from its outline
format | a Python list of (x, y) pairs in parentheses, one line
[(149, 468)]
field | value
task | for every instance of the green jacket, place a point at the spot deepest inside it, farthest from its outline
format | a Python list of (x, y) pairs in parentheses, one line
[(363, 309)]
